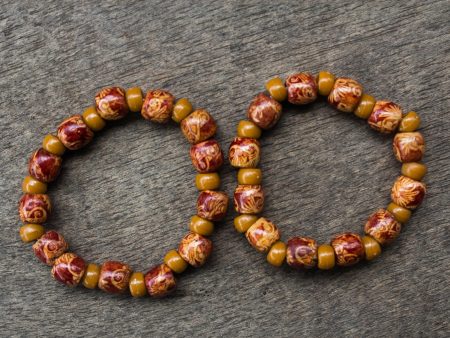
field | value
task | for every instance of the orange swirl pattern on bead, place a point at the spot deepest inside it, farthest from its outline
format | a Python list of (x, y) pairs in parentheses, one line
[(158, 106), (160, 281), (198, 126), (44, 166), (382, 226), (301, 252), (68, 269), (111, 103), (195, 249), (114, 277), (345, 94), (74, 133), (302, 88), (212, 205), (244, 152), (50, 246), (34, 208), (408, 193), (385, 116), (348, 249), (249, 199), (262, 234), (264, 111), (206, 156), (408, 147)]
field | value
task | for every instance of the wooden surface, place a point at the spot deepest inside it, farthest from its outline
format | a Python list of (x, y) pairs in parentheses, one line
[(129, 195)]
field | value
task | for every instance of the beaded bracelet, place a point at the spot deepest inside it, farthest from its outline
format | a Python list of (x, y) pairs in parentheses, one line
[(382, 227), (114, 103)]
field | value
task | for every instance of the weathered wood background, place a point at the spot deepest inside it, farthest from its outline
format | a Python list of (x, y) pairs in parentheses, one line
[(129, 195)]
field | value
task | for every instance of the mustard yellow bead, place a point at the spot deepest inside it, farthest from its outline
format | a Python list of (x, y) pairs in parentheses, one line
[(277, 89), (181, 109), (53, 145), (248, 129), (209, 181), (249, 176), (31, 232), (174, 261), (277, 254), (400, 214), (365, 106), (325, 82), (91, 276), (326, 258), (243, 222), (372, 248), (410, 122), (414, 170), (31, 185), (201, 226), (93, 120), (134, 99), (137, 285)]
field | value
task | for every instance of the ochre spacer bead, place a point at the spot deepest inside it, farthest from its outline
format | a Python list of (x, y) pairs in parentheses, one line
[(264, 111), (181, 110), (372, 248), (195, 249), (91, 276), (137, 285), (302, 88), (385, 117), (201, 226), (34, 208), (249, 176), (158, 106), (175, 262), (44, 166), (248, 129), (74, 133), (244, 152), (345, 94), (262, 234), (68, 269), (365, 106), (53, 145), (198, 126), (134, 99), (111, 103), (410, 122), (277, 254), (326, 259), (401, 214), (160, 281), (93, 120), (382, 226), (408, 193), (325, 82), (276, 89), (408, 147), (208, 181), (114, 277), (30, 185), (243, 222), (31, 232), (414, 170)]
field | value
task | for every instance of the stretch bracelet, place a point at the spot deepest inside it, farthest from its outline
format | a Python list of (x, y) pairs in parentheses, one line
[(77, 131), (382, 227)]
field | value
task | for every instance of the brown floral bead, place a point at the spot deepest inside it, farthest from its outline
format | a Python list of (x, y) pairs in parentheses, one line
[(348, 248), (244, 152), (74, 133), (114, 277), (50, 246), (206, 156), (345, 94), (408, 147), (302, 88), (69, 269), (301, 252), (385, 117), (264, 111), (34, 208), (262, 234), (160, 281), (249, 199), (382, 226), (111, 103), (44, 166), (212, 205), (195, 249), (198, 126), (158, 106), (407, 192)]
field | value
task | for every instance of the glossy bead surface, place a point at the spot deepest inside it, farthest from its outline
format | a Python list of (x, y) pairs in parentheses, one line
[(91, 276), (158, 106), (249, 199), (68, 269), (248, 129), (134, 98), (410, 122), (209, 181), (249, 176), (325, 82), (301, 252), (276, 89), (137, 285), (326, 259), (408, 147), (31, 232), (408, 193), (414, 170), (382, 226), (34, 208), (264, 111), (243, 222), (30, 185), (175, 262), (160, 281), (345, 94), (181, 109), (244, 152), (277, 254), (198, 126), (212, 205), (365, 106), (53, 145), (74, 133), (114, 277), (93, 120), (206, 156), (385, 117), (348, 249), (111, 103), (44, 166), (401, 214), (201, 226), (50, 246), (262, 234), (195, 249), (372, 248), (302, 88)]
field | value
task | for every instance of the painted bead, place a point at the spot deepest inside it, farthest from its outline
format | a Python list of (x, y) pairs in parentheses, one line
[(206, 156), (34, 208), (114, 277), (249, 199), (410, 122), (198, 126), (414, 170), (277, 254), (50, 246), (408, 193), (251, 176), (385, 117), (382, 226), (91, 276), (158, 106), (248, 129), (69, 269), (195, 249), (137, 285), (209, 181), (244, 152), (111, 103), (372, 248), (181, 110), (301, 252), (160, 281), (30, 185), (74, 133), (326, 258), (31, 232), (302, 88), (93, 120), (325, 82), (201, 226), (44, 166), (365, 106), (134, 99), (262, 234), (408, 147), (400, 214), (243, 222), (264, 111), (174, 261), (212, 205), (276, 89), (348, 248), (53, 145), (345, 94)]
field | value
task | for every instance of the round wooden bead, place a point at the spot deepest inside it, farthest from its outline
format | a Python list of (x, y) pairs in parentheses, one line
[(248, 129), (160, 281), (158, 106), (44, 166), (201, 226), (244, 152), (325, 82), (372, 248), (114, 277), (326, 259), (68, 269), (50, 246), (181, 109), (302, 88), (34, 208), (382, 226), (408, 193), (365, 106), (137, 285), (262, 234), (30, 185), (276, 89), (31, 232), (414, 170), (195, 249), (174, 261), (249, 199), (91, 276), (212, 205), (401, 214), (111, 103), (134, 99), (410, 122), (250, 176), (93, 120), (243, 222), (277, 254), (345, 94), (209, 181), (264, 111), (348, 248), (74, 133), (206, 156), (301, 252), (198, 126), (53, 145), (408, 147), (385, 116)]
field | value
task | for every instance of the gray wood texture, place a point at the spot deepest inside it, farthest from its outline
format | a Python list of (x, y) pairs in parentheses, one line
[(129, 195)]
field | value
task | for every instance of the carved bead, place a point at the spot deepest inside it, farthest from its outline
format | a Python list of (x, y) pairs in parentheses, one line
[(158, 106), (407, 192), (302, 88), (264, 111), (206, 156), (212, 205), (69, 269), (301, 252), (408, 147), (34, 208), (249, 199), (74, 133), (385, 116), (345, 94), (198, 126), (195, 249), (244, 152), (262, 234), (111, 103), (50, 246), (114, 277), (348, 248), (382, 226), (44, 166), (160, 281)]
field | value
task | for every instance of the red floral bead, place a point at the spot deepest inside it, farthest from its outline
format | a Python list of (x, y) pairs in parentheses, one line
[(44, 166), (74, 133), (345, 94), (69, 269), (195, 249), (264, 111), (249, 199), (34, 208), (408, 193), (160, 281), (244, 152), (385, 116), (302, 88), (212, 205), (301, 252), (408, 147), (382, 226), (198, 126), (206, 156), (114, 277), (50, 246), (111, 103), (158, 106), (262, 234), (348, 248)]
